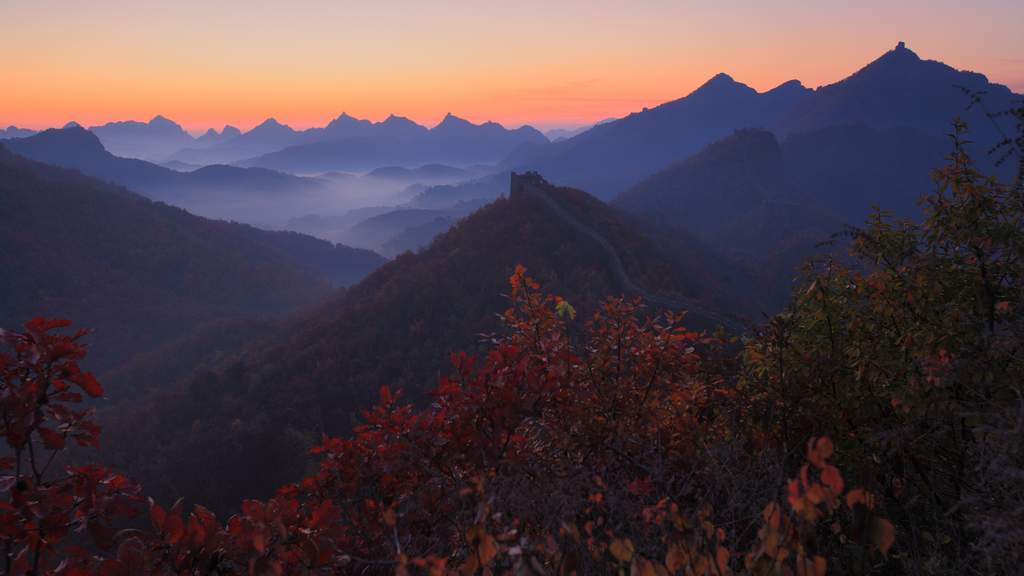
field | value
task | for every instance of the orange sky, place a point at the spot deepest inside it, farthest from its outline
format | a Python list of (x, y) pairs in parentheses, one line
[(546, 63)]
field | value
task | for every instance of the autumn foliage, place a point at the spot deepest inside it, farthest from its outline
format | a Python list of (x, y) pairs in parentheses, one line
[(852, 436), (561, 451), (43, 504)]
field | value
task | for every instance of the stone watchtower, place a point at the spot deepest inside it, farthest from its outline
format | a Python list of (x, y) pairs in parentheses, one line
[(518, 181)]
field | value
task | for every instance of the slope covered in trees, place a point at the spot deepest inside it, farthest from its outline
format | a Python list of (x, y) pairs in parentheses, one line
[(217, 191), (143, 272), (737, 194), (775, 203), (851, 167), (396, 328)]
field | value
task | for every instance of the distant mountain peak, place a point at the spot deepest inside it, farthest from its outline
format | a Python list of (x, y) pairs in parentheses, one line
[(75, 141), (398, 120), (72, 124), (722, 83), (451, 120), (271, 126), (900, 88), (895, 61), (901, 51), (166, 125), (719, 81), (346, 120), (790, 84)]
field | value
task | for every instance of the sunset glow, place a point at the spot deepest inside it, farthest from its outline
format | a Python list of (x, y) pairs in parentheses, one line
[(206, 64)]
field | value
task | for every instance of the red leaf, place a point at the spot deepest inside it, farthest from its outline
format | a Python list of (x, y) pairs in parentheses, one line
[(882, 533), (831, 477), (52, 440), (158, 515), (88, 384)]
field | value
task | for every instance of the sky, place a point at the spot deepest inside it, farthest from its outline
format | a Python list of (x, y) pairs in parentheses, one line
[(547, 63)]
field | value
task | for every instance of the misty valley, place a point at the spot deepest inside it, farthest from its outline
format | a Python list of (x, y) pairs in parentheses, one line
[(741, 332)]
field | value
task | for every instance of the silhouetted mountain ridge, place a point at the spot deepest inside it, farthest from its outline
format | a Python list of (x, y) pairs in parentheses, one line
[(901, 89), (608, 158), (216, 191), (15, 132), (145, 140), (898, 89), (455, 141)]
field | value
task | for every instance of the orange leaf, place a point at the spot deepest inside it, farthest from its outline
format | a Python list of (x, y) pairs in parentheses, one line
[(819, 450), (643, 567), (882, 533), (808, 567), (772, 513), (622, 550), (816, 494), (675, 559), (722, 560), (487, 550), (860, 496), (701, 564), (831, 477), (475, 533)]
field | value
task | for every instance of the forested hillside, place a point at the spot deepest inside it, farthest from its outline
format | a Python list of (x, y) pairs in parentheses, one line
[(216, 191), (738, 194), (144, 273), (398, 327), (775, 203)]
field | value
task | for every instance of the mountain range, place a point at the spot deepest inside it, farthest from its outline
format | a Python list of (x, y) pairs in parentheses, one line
[(400, 141), (454, 141), (865, 140), (897, 89), (152, 139), (216, 191), (901, 89), (609, 158), (15, 132)]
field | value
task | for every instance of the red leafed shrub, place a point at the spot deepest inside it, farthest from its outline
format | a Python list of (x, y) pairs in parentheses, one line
[(565, 424), (40, 503)]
